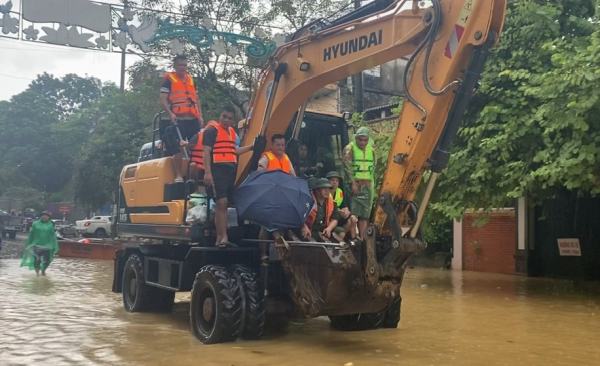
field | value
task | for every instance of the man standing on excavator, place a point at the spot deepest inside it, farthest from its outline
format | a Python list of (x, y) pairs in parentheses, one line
[(220, 164), (179, 99), (359, 164)]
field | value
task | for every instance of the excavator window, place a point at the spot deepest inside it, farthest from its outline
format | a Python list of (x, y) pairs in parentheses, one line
[(146, 151), (325, 135)]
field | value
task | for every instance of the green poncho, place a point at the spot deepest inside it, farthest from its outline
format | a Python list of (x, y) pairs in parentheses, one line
[(42, 234)]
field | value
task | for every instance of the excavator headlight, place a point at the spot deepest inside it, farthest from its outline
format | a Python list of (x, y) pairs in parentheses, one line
[(346, 116), (304, 66)]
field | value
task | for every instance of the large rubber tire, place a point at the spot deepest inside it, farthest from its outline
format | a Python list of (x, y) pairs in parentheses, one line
[(136, 294), (357, 322), (253, 297), (392, 314), (277, 323), (140, 297), (163, 300), (100, 233), (216, 305)]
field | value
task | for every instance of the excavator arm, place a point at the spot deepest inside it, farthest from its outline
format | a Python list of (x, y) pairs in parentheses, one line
[(446, 45)]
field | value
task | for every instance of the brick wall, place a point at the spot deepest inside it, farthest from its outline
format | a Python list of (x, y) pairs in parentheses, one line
[(490, 248)]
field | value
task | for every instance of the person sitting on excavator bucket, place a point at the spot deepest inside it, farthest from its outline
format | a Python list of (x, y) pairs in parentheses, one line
[(322, 221), (348, 221), (359, 165)]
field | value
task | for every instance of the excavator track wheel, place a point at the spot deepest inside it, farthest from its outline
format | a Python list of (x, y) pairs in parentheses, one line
[(253, 298), (216, 307)]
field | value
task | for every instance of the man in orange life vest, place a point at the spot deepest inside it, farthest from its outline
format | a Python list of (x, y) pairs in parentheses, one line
[(179, 99), (276, 159), (220, 163), (196, 153), (324, 217)]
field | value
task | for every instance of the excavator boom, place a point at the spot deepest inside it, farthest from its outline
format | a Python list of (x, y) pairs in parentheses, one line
[(446, 45)]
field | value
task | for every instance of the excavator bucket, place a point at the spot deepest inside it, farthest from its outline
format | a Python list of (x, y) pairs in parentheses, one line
[(343, 278)]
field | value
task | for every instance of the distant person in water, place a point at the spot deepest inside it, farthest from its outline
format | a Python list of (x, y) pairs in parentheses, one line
[(41, 246)]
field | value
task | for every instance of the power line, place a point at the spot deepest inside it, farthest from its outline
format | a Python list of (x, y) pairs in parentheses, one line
[(16, 77), (138, 7), (340, 10)]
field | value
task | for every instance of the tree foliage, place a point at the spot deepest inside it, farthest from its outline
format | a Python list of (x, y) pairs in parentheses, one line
[(38, 137), (123, 126), (218, 78), (231, 77), (531, 128), (295, 14)]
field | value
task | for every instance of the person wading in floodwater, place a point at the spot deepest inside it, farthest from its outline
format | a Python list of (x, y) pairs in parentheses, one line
[(41, 246)]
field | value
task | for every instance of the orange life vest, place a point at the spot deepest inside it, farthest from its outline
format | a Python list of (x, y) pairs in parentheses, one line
[(197, 155), (312, 216), (182, 97), (224, 148), (283, 164)]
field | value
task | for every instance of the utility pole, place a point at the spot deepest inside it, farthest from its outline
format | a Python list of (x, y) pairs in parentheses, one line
[(123, 71), (123, 52), (358, 81)]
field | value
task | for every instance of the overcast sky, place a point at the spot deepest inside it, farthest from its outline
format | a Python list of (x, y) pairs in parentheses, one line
[(22, 61)]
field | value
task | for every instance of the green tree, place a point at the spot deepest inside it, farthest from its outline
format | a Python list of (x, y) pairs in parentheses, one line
[(39, 138), (295, 14), (531, 127), (69, 93), (123, 126), (222, 78)]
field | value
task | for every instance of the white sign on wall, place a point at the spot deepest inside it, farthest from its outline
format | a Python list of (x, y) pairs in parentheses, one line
[(569, 247)]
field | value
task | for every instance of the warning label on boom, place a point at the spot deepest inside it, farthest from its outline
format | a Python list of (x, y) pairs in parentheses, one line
[(465, 12)]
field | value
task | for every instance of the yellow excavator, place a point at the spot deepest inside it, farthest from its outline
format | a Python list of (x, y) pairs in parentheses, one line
[(358, 284)]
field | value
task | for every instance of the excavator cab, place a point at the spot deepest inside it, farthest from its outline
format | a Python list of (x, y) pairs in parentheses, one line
[(325, 134)]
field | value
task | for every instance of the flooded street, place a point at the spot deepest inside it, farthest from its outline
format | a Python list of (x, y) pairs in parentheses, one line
[(71, 317)]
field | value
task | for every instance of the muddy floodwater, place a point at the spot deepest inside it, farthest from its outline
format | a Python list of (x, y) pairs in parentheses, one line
[(71, 317)]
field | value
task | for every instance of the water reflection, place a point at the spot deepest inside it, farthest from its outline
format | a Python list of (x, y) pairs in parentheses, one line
[(42, 286), (70, 317)]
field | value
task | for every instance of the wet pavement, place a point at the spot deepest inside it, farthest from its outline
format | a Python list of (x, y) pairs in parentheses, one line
[(71, 317), (13, 248)]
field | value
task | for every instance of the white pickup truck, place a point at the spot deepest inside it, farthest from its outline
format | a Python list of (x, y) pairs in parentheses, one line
[(97, 226)]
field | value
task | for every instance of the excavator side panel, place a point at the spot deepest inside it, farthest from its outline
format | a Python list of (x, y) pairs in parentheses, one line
[(149, 195)]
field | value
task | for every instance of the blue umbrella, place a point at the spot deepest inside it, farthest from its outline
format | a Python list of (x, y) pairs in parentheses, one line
[(274, 200)]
